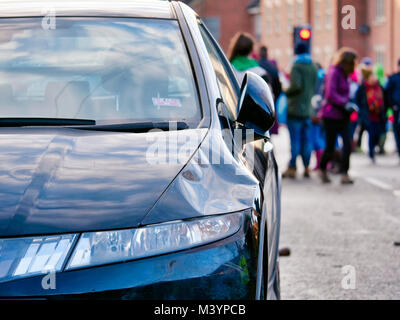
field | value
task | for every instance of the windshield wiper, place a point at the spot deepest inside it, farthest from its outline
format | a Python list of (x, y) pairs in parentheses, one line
[(28, 122), (138, 127)]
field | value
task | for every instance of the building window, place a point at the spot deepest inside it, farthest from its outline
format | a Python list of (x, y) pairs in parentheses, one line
[(258, 27), (277, 14), (290, 15), (380, 55), (317, 54), (289, 54), (317, 14), (328, 14), (269, 16), (299, 12), (277, 54), (328, 52), (380, 10)]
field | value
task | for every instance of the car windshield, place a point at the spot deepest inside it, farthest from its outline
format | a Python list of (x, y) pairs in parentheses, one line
[(110, 70)]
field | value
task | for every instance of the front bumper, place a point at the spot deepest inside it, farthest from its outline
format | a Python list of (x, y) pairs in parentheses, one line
[(222, 270)]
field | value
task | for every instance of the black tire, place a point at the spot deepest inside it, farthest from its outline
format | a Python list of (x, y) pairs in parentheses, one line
[(277, 283)]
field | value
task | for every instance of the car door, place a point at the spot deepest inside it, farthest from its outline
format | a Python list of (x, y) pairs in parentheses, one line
[(257, 156)]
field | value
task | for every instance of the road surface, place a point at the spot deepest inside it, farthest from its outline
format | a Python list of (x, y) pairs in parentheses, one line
[(342, 238)]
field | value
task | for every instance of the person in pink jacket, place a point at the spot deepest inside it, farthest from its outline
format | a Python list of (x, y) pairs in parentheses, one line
[(336, 112)]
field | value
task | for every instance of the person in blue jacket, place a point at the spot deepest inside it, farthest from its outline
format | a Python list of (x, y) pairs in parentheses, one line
[(393, 95)]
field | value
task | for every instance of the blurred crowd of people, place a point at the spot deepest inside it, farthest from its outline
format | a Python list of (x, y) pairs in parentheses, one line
[(327, 111)]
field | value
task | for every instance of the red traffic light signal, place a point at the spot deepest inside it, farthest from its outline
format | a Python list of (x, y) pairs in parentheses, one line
[(302, 35), (305, 34)]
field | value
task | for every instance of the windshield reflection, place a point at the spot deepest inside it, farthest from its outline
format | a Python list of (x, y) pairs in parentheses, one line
[(100, 69)]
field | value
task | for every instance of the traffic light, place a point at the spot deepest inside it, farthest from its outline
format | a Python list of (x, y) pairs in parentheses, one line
[(302, 35)]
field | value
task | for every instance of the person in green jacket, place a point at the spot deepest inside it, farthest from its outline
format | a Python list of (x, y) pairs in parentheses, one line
[(241, 47), (303, 80)]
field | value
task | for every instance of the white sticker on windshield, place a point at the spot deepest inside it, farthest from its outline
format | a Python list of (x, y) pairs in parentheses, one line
[(166, 102)]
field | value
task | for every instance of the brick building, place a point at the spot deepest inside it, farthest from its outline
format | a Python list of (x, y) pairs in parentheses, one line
[(375, 35), (226, 17)]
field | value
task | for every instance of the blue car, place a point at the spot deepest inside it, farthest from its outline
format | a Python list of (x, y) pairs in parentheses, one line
[(133, 165)]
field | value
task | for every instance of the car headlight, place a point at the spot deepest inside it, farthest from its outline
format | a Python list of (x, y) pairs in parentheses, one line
[(25, 257), (97, 248)]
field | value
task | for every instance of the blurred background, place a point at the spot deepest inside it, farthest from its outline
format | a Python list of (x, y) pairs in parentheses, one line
[(271, 23), (330, 227)]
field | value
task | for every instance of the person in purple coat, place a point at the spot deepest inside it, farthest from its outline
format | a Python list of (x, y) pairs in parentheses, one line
[(336, 112)]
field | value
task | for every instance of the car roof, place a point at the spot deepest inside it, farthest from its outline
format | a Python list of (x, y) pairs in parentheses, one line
[(91, 8)]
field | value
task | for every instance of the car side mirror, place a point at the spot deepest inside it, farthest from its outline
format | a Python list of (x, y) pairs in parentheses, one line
[(256, 106)]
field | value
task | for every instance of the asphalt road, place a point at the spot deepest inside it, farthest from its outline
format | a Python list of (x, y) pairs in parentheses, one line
[(341, 237)]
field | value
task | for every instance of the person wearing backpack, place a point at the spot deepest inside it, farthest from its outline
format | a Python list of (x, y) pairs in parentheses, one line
[(370, 98)]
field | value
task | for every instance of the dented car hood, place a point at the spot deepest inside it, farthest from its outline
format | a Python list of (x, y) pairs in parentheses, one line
[(66, 180)]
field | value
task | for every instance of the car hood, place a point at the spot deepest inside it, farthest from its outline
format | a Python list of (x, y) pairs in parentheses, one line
[(66, 180)]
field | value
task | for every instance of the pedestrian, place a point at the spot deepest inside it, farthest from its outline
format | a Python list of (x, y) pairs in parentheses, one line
[(362, 125), (317, 131), (354, 85), (272, 71), (240, 50), (303, 79), (393, 94), (379, 71), (275, 82), (370, 98), (336, 112)]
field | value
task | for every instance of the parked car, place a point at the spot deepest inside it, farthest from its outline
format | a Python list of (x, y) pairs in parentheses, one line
[(132, 165)]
